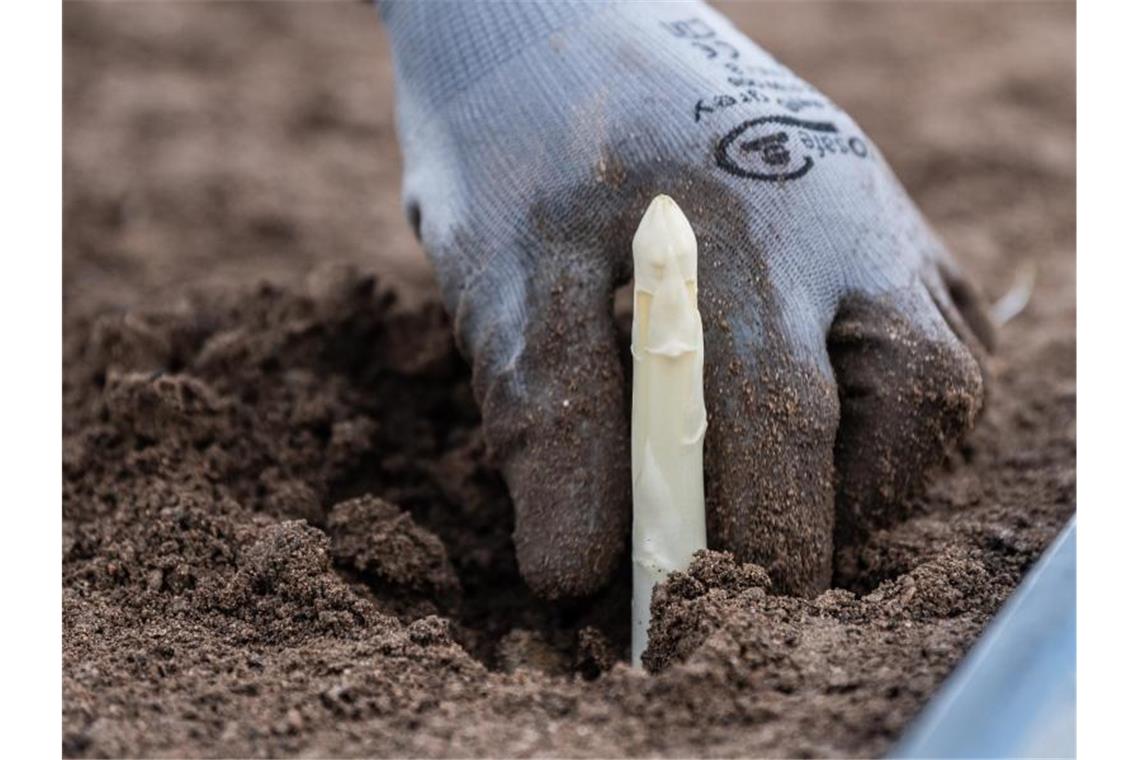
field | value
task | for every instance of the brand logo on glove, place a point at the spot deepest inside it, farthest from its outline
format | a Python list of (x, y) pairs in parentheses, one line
[(780, 148)]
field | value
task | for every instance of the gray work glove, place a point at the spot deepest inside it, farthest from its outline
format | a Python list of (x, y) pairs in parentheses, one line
[(836, 326)]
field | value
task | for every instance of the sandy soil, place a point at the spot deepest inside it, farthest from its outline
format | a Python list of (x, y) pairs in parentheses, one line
[(280, 535)]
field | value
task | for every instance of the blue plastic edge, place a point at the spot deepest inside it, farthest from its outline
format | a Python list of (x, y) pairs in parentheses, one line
[(1015, 694)]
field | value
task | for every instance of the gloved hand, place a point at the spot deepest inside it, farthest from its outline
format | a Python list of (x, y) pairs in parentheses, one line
[(836, 326)]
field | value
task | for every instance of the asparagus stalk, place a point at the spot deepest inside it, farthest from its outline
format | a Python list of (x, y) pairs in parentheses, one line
[(668, 406)]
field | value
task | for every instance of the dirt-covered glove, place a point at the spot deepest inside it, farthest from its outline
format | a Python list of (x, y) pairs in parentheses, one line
[(836, 326)]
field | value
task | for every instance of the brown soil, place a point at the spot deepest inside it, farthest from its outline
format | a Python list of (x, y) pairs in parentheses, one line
[(280, 532)]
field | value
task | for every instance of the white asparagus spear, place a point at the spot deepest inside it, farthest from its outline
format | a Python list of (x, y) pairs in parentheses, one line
[(668, 406)]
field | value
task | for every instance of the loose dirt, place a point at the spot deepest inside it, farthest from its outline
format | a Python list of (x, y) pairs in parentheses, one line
[(281, 535)]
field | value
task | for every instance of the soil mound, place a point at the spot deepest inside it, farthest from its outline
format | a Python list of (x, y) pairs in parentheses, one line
[(280, 535)]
